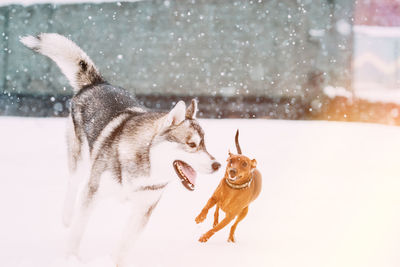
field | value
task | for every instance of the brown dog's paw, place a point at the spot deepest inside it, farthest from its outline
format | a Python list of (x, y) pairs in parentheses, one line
[(204, 238), (201, 217), (231, 239)]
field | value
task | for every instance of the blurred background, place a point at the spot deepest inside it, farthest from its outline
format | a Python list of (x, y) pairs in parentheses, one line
[(279, 59)]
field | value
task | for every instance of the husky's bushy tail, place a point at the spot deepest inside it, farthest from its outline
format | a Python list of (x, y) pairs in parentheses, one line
[(73, 62)]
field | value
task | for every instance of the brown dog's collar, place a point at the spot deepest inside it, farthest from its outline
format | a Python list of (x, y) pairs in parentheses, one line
[(239, 186)]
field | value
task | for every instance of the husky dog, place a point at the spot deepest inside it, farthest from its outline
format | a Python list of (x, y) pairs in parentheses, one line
[(141, 149)]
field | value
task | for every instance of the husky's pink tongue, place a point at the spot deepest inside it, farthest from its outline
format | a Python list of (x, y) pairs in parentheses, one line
[(190, 174)]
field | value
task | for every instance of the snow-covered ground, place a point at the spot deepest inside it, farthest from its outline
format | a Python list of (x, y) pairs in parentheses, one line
[(331, 197)]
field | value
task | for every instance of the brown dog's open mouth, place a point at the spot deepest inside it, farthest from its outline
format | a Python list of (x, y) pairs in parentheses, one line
[(186, 173)]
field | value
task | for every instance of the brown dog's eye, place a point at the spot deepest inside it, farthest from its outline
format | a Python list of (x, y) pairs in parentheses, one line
[(244, 164), (191, 144)]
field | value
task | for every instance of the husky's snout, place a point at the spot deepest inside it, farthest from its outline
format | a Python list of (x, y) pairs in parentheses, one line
[(211, 164), (204, 162)]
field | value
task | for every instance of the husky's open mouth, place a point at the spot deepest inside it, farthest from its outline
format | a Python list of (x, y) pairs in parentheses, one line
[(186, 173)]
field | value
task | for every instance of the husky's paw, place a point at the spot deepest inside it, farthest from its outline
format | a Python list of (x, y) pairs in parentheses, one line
[(71, 252), (66, 219), (68, 212), (201, 217)]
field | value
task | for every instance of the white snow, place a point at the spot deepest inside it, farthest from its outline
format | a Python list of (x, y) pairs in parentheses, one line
[(377, 31), (376, 93), (317, 32), (333, 92), (343, 27), (376, 63), (330, 198)]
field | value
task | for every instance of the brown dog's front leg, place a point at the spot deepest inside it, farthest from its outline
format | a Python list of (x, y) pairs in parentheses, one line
[(240, 217), (216, 215), (203, 214), (221, 225)]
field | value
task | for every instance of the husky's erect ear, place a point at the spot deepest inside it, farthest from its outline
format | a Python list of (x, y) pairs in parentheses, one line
[(192, 110), (176, 115)]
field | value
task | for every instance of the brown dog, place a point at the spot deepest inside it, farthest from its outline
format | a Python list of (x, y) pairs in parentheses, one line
[(239, 187)]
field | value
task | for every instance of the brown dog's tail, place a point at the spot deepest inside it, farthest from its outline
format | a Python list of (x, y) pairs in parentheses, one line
[(239, 151)]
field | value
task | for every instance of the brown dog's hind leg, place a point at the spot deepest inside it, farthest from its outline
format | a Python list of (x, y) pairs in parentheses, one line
[(216, 215), (222, 224), (240, 217)]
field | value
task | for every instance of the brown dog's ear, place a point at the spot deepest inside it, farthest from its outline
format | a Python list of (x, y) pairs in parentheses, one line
[(230, 154), (253, 163)]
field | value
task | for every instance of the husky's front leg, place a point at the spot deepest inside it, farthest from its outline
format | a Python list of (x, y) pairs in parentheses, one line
[(87, 199), (135, 225)]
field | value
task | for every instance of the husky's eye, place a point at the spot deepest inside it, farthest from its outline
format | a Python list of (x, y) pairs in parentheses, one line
[(244, 164), (191, 144)]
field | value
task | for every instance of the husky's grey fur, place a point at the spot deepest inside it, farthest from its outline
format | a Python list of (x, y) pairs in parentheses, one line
[(137, 146)]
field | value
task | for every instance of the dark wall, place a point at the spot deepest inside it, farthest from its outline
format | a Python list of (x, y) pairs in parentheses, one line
[(282, 50)]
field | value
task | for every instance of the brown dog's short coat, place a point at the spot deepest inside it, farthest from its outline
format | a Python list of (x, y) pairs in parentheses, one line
[(239, 187)]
